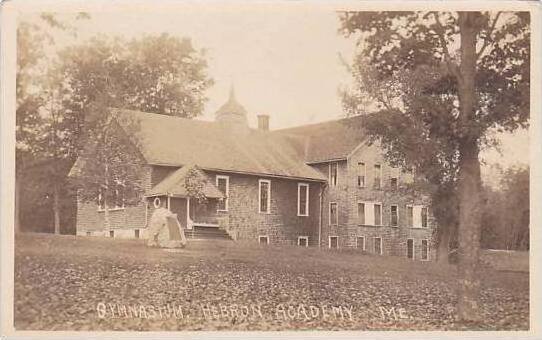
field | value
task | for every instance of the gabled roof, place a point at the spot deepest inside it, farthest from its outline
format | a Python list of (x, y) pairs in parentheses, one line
[(330, 140), (175, 184), (165, 140)]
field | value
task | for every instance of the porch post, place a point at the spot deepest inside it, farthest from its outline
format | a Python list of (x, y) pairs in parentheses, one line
[(168, 202), (188, 213)]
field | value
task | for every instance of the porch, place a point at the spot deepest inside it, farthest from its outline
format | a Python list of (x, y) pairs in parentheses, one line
[(189, 193)]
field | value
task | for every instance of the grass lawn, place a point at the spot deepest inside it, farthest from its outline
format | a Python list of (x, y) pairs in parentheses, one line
[(87, 283)]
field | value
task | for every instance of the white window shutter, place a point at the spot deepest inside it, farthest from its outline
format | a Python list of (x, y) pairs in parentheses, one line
[(417, 210), (369, 214)]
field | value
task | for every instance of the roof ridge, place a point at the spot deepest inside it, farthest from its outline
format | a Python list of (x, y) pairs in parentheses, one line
[(336, 120)]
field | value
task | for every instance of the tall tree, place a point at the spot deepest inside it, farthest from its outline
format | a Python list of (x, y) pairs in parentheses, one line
[(453, 77), (38, 119), (161, 74)]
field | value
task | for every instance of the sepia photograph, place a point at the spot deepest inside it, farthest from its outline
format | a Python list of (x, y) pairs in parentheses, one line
[(269, 167)]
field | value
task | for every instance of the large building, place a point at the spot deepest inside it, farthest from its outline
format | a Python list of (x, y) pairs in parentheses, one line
[(314, 185)]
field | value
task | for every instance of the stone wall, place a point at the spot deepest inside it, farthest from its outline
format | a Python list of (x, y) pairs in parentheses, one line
[(347, 194), (243, 221), (123, 221)]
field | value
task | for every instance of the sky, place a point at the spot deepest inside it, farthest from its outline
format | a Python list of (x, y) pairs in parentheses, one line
[(282, 61)]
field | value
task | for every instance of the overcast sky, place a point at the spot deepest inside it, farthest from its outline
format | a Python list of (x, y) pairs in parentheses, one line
[(283, 61)]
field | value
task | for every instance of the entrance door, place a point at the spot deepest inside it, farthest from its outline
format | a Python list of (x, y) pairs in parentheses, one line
[(178, 206)]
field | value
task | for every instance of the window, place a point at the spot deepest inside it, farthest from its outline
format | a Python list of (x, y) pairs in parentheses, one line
[(425, 250), (263, 240), (417, 216), (410, 248), (303, 241), (378, 245), (333, 242), (119, 196), (370, 213), (424, 217), (111, 233), (302, 199), (136, 233), (101, 200), (333, 172), (410, 215), (393, 183), (361, 213), (360, 242), (378, 214), (361, 174), (394, 178), (333, 214), (264, 196), (157, 202), (378, 176), (394, 215), (223, 184)]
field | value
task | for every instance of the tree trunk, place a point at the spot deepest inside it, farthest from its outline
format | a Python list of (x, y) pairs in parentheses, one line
[(106, 216), (56, 209), (469, 176), (443, 247), (17, 204)]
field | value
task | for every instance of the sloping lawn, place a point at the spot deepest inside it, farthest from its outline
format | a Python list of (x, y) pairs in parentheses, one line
[(86, 283)]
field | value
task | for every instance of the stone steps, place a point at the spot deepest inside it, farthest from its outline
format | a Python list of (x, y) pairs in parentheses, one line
[(200, 232)]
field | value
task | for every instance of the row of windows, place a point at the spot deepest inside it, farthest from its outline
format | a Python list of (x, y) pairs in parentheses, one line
[(370, 213), (362, 176), (302, 241), (378, 246), (112, 233), (264, 196)]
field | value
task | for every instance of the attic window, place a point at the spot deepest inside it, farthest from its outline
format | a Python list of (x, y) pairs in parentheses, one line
[(378, 176), (361, 174)]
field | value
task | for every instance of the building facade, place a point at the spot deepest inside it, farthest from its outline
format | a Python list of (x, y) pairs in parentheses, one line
[(315, 185)]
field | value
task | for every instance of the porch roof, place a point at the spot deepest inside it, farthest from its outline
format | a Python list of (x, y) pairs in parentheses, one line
[(175, 184)]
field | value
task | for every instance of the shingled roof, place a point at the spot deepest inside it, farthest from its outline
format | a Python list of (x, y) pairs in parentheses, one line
[(165, 140), (330, 140), (175, 184)]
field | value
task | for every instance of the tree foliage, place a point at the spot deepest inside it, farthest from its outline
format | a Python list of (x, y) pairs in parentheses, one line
[(63, 99), (506, 212), (407, 72), (443, 81)]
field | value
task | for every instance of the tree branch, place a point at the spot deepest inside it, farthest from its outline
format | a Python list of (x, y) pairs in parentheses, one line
[(490, 31), (440, 34)]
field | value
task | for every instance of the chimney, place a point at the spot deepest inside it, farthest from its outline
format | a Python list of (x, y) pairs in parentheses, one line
[(263, 122)]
